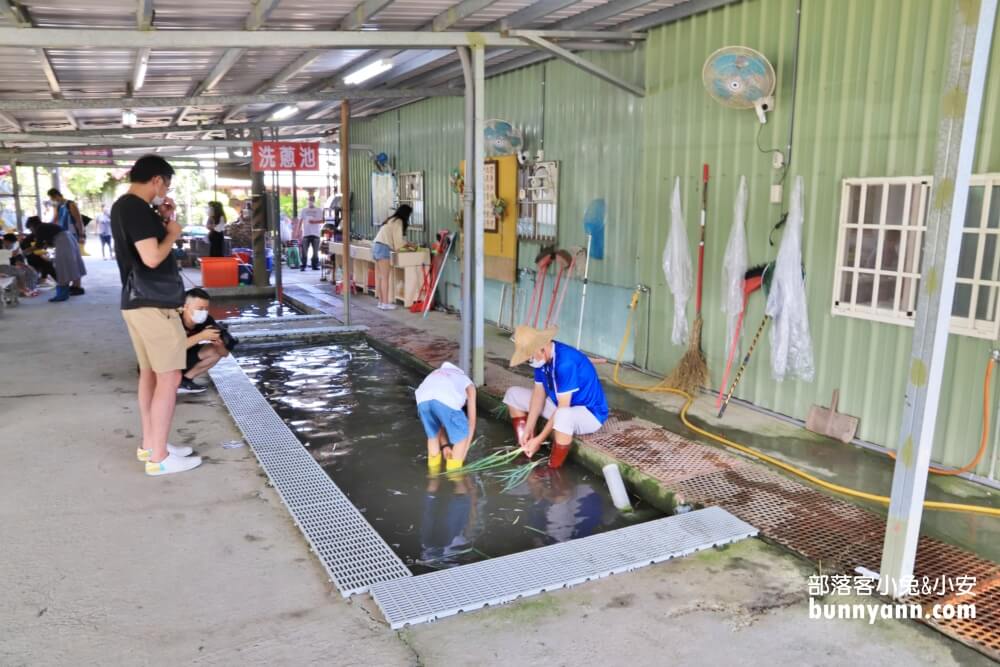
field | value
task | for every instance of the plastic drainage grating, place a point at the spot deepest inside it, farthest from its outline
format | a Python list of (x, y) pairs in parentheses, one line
[(498, 580), (252, 334), (354, 555)]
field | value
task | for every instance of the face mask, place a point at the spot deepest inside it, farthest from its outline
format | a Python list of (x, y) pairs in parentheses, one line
[(157, 200), (199, 316), (535, 363)]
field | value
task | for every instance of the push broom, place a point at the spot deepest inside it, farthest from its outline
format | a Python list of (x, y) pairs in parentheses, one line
[(692, 371)]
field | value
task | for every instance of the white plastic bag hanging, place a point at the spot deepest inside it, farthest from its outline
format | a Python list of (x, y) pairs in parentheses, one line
[(677, 267), (791, 344), (735, 264)]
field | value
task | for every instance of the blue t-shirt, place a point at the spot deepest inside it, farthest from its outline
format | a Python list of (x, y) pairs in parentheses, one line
[(571, 371)]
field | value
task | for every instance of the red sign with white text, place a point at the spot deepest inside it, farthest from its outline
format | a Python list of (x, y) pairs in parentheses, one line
[(285, 156)]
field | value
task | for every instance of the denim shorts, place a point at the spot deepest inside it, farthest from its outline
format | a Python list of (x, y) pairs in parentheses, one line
[(435, 415), (381, 251)]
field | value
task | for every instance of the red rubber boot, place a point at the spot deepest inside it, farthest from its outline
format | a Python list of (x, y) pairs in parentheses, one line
[(520, 425), (558, 455)]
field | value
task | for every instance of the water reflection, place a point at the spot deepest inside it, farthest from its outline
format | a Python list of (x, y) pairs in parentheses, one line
[(355, 412), (224, 308)]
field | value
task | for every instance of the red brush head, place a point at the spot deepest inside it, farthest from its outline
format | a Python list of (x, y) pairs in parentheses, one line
[(704, 173)]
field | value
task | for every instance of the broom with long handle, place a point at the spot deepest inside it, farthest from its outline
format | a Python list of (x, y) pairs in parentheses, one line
[(752, 281), (692, 371)]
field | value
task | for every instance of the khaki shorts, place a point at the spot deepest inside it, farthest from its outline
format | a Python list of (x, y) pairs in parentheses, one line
[(158, 338)]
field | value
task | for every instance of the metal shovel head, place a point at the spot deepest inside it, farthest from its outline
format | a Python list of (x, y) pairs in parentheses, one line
[(829, 422)]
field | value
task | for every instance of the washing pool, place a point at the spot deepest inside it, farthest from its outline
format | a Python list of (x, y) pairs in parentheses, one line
[(353, 409)]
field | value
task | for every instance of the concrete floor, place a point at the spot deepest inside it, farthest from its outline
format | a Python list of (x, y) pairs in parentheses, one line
[(102, 565)]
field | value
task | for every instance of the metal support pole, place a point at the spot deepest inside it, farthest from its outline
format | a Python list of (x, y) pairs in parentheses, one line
[(259, 225), (295, 196), (478, 322), (38, 194), (345, 206), (961, 104), (17, 196), (468, 215)]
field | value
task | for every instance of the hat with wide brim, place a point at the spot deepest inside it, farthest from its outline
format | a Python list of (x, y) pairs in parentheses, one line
[(528, 340)]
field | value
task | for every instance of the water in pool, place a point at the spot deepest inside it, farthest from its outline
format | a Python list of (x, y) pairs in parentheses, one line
[(266, 307), (354, 410)]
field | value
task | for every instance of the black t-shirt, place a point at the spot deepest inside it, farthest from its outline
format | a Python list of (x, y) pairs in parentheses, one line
[(210, 322), (46, 233), (132, 220)]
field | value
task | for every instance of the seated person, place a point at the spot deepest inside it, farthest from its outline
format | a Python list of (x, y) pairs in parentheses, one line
[(27, 278), (207, 342), (38, 258), (440, 399), (567, 393)]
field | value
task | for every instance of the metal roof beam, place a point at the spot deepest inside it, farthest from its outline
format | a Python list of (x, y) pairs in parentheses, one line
[(144, 14), (219, 100), (22, 19), (226, 63), (585, 65), (362, 12), (531, 13), (10, 120), (601, 13), (259, 14), (580, 35), (235, 39), (456, 13), (177, 129), (674, 13), (33, 137)]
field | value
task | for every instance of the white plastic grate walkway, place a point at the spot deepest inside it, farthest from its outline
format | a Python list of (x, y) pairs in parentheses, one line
[(496, 581), (354, 555)]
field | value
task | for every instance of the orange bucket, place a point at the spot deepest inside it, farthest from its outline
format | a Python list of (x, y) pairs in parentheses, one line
[(220, 271)]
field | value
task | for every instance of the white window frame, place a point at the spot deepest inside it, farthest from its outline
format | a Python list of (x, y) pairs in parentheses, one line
[(905, 299)]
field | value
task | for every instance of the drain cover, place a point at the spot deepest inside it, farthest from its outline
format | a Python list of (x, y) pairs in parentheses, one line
[(448, 592)]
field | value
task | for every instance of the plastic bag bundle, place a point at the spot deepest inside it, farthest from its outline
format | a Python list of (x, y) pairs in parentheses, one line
[(677, 267), (791, 344), (735, 264)]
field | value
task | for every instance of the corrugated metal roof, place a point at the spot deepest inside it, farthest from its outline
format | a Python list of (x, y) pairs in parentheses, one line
[(107, 73)]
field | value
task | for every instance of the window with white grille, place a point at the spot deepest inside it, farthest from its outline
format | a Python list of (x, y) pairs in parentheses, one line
[(879, 248)]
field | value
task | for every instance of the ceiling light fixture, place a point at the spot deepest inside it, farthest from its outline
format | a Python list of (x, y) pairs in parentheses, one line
[(367, 72)]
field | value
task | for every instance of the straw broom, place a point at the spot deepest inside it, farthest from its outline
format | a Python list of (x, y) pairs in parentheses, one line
[(691, 373)]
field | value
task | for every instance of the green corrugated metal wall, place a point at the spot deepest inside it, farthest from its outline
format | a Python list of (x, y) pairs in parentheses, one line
[(869, 75)]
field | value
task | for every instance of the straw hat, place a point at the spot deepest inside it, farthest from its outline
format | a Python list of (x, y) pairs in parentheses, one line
[(528, 340)]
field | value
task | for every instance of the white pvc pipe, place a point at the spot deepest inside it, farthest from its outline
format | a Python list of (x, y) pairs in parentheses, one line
[(619, 496), (583, 298)]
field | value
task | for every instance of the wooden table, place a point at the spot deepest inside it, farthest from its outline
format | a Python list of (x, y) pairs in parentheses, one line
[(405, 278)]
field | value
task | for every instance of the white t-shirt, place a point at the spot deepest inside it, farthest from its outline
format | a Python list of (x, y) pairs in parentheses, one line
[(447, 384), (312, 221)]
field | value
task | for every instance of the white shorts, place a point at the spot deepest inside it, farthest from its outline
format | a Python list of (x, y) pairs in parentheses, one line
[(576, 420)]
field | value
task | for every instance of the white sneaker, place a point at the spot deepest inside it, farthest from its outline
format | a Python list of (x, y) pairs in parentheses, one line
[(172, 464), (388, 306), (177, 450)]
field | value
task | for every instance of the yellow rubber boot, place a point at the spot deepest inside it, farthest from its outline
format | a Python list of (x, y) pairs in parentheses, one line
[(434, 462), (453, 464)]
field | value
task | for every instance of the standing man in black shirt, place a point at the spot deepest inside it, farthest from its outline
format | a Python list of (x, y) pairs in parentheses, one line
[(144, 228)]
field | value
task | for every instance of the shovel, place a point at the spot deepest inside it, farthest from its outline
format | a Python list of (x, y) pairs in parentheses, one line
[(831, 423)]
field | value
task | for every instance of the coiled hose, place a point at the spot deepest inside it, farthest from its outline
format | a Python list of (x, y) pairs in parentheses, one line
[(836, 488)]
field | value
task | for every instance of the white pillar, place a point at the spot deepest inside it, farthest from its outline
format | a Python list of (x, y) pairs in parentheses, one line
[(478, 351), (962, 98)]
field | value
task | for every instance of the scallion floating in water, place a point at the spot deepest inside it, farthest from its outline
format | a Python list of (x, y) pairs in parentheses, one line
[(488, 462), (514, 478)]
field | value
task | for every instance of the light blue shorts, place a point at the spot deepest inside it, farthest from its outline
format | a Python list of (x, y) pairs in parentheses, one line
[(381, 251), (435, 415)]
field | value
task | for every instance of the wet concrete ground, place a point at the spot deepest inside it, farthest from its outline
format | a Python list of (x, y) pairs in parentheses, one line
[(104, 566)]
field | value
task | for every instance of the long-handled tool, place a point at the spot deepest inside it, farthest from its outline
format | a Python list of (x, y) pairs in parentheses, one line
[(692, 370), (752, 281), (743, 366), (565, 262), (542, 261), (447, 251), (570, 270), (583, 297)]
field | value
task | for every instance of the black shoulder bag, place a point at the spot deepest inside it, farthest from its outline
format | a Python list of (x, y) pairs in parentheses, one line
[(146, 289)]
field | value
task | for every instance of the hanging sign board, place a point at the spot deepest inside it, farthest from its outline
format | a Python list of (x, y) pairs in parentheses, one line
[(285, 156)]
